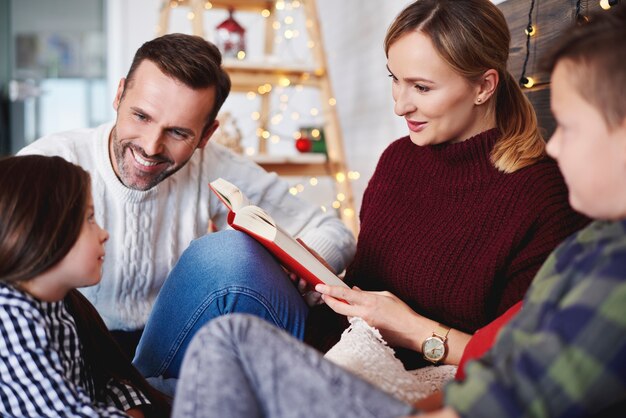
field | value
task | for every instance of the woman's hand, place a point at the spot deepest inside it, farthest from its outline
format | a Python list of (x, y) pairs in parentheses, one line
[(397, 322), (399, 325)]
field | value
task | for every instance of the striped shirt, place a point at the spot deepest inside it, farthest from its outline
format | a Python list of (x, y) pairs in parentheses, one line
[(42, 369), (564, 354)]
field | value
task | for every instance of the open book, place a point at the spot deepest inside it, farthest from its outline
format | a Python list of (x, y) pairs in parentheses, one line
[(255, 222)]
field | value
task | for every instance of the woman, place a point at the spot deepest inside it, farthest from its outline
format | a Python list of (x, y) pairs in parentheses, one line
[(561, 356), (458, 216), (56, 356)]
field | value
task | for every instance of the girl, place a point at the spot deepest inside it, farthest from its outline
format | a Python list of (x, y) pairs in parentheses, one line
[(56, 356)]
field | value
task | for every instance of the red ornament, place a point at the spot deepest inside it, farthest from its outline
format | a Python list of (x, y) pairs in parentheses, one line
[(304, 144), (230, 36)]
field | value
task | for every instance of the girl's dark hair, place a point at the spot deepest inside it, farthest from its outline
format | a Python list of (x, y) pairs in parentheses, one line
[(43, 201), (472, 36), (106, 359)]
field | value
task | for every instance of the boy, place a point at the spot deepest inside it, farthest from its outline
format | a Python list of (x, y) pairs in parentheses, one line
[(565, 353)]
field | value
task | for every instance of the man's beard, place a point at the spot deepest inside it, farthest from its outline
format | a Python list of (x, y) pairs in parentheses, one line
[(127, 172)]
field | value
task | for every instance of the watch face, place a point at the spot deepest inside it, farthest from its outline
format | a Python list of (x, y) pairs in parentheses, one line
[(434, 349)]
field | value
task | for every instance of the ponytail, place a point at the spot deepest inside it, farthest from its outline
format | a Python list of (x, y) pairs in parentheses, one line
[(521, 144)]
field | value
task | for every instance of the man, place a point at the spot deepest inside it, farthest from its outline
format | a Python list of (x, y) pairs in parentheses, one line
[(150, 172)]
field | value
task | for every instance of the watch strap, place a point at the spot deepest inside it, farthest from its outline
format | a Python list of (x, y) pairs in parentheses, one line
[(442, 332)]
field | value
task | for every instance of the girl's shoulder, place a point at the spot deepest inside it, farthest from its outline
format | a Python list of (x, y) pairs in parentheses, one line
[(20, 313)]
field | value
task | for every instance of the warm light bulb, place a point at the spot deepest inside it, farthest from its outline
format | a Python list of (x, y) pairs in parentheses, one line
[(530, 30), (265, 13), (528, 82), (605, 4), (313, 181), (241, 55)]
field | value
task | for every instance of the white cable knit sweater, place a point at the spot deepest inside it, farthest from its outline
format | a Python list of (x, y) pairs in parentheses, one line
[(150, 229)]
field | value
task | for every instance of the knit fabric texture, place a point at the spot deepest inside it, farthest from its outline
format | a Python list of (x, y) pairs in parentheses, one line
[(452, 236), (363, 351), (151, 229)]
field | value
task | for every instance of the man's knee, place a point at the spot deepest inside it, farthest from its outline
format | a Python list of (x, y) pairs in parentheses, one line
[(229, 254)]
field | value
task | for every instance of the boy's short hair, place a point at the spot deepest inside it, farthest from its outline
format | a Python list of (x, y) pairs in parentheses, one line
[(596, 50)]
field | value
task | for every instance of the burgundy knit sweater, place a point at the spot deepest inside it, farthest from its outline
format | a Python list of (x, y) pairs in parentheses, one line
[(453, 237)]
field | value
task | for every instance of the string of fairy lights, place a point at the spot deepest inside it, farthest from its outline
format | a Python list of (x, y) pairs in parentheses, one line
[(287, 21), (531, 31)]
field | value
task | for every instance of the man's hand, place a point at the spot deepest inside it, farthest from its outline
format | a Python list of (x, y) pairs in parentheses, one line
[(311, 297), (135, 413)]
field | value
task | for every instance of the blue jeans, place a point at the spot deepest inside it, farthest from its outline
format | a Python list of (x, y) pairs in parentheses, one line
[(220, 273), (239, 366)]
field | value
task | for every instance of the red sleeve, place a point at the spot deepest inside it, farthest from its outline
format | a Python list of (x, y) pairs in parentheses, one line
[(483, 339)]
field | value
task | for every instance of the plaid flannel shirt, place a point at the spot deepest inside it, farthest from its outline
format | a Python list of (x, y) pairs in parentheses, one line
[(42, 371), (564, 354)]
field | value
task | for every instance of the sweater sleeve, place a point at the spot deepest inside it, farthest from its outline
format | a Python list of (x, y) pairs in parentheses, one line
[(32, 382), (565, 359), (322, 232), (551, 220)]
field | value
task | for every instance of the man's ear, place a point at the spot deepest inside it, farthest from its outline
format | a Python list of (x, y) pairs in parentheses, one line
[(487, 86), (208, 132), (119, 94)]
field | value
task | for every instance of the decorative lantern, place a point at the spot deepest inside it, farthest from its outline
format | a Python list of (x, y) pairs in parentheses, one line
[(231, 37)]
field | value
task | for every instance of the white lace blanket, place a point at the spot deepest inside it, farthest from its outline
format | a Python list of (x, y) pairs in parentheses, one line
[(364, 352)]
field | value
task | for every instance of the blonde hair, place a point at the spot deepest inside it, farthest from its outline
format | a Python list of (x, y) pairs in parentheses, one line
[(472, 36)]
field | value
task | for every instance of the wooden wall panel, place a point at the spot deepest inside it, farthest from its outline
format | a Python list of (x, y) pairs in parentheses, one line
[(550, 17)]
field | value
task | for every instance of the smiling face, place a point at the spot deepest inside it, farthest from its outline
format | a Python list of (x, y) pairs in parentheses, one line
[(438, 104), (160, 123), (591, 156)]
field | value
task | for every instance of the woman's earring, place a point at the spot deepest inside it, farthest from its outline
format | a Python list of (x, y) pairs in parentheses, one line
[(479, 100)]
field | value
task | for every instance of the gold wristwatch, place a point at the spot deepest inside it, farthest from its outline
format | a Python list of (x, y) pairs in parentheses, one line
[(434, 348)]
